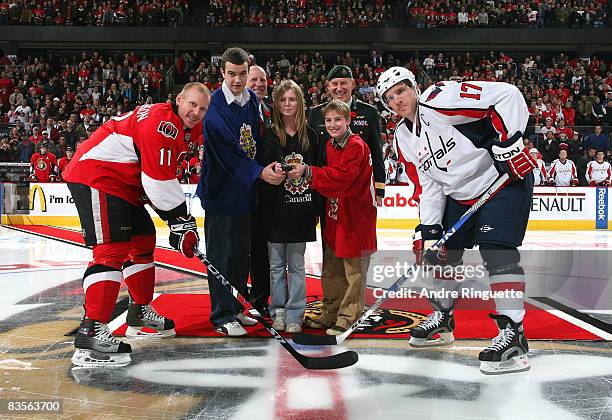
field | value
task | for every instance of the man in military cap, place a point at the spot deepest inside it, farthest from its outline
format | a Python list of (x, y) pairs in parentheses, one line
[(365, 121)]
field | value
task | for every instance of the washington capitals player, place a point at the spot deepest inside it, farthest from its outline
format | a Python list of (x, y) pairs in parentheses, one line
[(467, 134), (130, 161)]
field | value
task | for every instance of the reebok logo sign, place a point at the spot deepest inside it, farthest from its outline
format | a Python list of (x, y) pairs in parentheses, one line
[(601, 208)]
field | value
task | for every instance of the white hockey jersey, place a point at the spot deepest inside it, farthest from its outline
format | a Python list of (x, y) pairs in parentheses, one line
[(562, 173), (458, 123), (539, 174), (598, 172)]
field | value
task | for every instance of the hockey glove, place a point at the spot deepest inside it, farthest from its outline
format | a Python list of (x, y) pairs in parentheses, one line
[(513, 157), (593, 184), (574, 182), (605, 183), (183, 234), (551, 182), (425, 236)]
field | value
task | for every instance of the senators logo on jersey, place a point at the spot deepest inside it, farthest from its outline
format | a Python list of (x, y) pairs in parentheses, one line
[(41, 164), (168, 129)]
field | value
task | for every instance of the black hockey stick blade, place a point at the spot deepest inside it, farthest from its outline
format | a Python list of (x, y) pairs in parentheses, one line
[(335, 361), (314, 340)]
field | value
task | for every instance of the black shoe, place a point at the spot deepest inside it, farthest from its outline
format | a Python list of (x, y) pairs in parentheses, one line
[(144, 316), (96, 347), (436, 330), (508, 351)]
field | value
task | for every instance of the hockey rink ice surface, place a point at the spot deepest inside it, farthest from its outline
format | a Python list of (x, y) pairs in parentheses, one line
[(249, 378)]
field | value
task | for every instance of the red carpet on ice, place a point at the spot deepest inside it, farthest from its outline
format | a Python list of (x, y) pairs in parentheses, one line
[(190, 311)]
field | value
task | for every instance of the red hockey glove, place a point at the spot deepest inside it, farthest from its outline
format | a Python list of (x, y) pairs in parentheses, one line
[(592, 184), (574, 182), (604, 183), (513, 157), (183, 234), (425, 236)]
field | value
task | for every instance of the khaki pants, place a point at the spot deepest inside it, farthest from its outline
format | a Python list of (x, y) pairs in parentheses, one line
[(343, 281)]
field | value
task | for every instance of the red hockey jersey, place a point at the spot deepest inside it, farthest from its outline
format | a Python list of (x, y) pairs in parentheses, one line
[(63, 162), (194, 170), (134, 156), (43, 166), (350, 208)]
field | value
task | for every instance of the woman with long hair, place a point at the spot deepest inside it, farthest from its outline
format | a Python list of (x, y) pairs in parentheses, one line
[(291, 215)]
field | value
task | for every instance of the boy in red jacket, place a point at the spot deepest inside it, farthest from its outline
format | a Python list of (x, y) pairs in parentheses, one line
[(350, 229)]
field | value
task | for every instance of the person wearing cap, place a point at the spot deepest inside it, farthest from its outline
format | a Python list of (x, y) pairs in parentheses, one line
[(43, 164), (548, 127), (365, 121), (36, 137), (539, 174), (563, 171), (64, 161)]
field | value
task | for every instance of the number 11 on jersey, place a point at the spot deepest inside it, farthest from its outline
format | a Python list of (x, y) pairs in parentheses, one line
[(162, 153)]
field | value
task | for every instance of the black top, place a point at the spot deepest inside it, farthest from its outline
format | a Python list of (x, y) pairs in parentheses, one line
[(289, 207)]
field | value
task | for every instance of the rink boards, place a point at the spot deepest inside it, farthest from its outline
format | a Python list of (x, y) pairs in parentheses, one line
[(553, 208)]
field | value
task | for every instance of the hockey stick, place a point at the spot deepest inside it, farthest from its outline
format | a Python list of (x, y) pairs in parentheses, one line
[(336, 361), (316, 340)]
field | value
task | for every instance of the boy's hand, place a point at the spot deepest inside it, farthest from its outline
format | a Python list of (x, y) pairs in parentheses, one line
[(297, 171)]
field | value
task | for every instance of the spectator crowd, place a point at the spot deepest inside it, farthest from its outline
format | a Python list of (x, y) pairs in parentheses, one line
[(309, 13), (62, 100), (95, 12)]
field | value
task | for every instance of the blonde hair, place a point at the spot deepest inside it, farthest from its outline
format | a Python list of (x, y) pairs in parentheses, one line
[(300, 118), (201, 88), (338, 106)]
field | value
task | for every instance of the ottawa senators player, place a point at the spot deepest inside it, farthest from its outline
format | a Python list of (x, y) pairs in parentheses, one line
[(63, 162), (43, 165), (128, 162)]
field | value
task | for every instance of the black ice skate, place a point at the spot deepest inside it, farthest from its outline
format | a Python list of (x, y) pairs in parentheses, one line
[(141, 317), (436, 330), (96, 347), (508, 352)]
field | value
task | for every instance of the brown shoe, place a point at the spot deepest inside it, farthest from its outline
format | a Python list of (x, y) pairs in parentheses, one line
[(335, 330), (314, 323)]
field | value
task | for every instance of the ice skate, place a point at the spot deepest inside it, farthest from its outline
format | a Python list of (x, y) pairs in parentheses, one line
[(96, 347), (508, 351), (436, 330), (142, 317)]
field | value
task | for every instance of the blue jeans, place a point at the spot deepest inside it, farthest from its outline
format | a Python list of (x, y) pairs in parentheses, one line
[(228, 240), (288, 280)]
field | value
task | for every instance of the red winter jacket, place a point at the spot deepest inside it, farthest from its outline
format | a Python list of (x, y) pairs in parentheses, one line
[(350, 207)]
